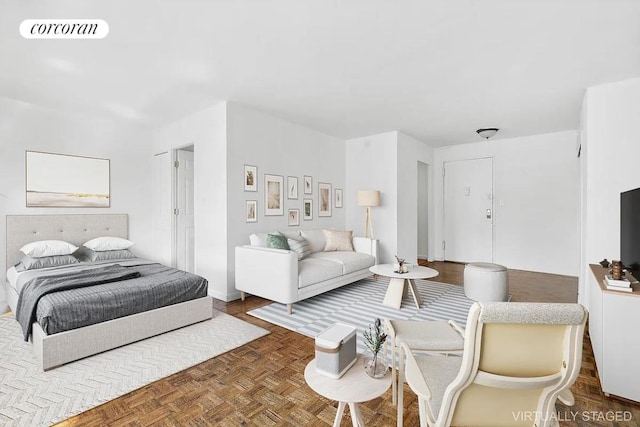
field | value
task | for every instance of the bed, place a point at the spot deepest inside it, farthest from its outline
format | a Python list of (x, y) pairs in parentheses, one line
[(55, 349)]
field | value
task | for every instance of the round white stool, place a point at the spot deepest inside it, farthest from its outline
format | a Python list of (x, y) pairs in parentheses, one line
[(486, 282)]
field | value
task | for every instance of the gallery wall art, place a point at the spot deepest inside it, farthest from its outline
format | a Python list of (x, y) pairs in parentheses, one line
[(292, 187), (308, 185), (250, 178), (273, 195), (61, 180), (324, 199), (307, 210), (252, 211)]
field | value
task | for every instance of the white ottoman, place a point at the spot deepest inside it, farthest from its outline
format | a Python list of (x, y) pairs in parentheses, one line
[(486, 282)]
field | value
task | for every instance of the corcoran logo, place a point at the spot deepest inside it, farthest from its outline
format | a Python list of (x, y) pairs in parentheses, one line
[(64, 29)]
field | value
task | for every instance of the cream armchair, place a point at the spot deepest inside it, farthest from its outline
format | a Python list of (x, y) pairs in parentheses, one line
[(518, 359)]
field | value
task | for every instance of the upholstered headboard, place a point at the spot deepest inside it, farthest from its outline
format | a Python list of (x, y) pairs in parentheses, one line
[(75, 229)]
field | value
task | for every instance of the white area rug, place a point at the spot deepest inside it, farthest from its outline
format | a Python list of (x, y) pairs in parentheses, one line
[(360, 303), (30, 397)]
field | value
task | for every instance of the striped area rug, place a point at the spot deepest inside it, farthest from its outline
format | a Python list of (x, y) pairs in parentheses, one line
[(359, 303)]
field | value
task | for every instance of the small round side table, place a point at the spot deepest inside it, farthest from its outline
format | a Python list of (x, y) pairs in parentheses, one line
[(354, 387)]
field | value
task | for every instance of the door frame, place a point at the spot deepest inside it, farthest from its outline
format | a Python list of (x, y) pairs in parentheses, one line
[(493, 204)]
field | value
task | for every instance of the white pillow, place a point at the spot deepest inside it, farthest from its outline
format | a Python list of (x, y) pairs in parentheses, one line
[(258, 239), (43, 248), (338, 240), (100, 244), (315, 238)]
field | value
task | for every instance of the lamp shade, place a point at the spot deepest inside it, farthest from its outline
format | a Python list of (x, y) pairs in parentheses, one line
[(368, 198)]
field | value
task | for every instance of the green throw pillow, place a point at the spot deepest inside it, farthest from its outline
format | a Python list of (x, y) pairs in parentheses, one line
[(277, 241)]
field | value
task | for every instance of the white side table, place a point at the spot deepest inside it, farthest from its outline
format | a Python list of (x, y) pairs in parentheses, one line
[(400, 281), (354, 387)]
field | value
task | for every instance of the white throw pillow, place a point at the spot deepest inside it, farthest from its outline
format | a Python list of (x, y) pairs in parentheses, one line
[(338, 240), (108, 244), (258, 239), (43, 248), (300, 246), (315, 238)]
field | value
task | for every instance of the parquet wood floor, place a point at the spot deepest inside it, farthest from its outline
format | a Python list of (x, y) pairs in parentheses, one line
[(262, 382)]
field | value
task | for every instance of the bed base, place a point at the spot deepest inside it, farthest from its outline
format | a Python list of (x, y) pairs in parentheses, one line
[(64, 347)]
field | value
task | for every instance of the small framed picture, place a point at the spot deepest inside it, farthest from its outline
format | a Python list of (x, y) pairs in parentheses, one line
[(307, 210), (250, 178), (338, 197), (292, 187), (308, 185), (252, 211), (273, 195), (324, 199), (294, 217)]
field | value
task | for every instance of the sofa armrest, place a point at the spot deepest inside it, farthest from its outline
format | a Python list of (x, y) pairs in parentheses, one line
[(267, 273), (367, 246)]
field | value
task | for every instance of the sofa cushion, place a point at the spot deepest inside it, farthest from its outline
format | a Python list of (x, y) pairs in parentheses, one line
[(311, 271), (315, 238), (338, 240), (277, 241), (349, 261), (300, 246)]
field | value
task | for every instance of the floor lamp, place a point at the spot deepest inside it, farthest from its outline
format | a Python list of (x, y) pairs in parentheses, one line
[(368, 199)]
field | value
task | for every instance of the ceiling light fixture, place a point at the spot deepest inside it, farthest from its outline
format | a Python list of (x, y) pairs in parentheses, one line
[(487, 133)]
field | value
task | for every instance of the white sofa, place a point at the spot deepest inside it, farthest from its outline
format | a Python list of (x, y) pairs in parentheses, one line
[(277, 274)]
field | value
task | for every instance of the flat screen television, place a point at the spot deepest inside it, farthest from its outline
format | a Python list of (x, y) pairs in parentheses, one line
[(630, 231)]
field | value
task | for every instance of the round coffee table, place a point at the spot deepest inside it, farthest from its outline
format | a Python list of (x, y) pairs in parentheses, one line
[(400, 281), (354, 387)]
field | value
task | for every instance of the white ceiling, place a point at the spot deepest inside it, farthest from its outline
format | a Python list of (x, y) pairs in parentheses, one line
[(435, 69)]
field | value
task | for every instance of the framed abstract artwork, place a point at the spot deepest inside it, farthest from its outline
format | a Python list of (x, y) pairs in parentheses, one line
[(250, 178), (292, 187), (308, 185), (294, 217), (61, 180), (324, 199), (273, 195), (338, 197), (252, 211), (307, 209)]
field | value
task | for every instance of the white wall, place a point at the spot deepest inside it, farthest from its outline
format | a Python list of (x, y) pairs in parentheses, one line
[(206, 131), (410, 152), (424, 219), (371, 164), (536, 194), (41, 129), (276, 146), (388, 162), (610, 153)]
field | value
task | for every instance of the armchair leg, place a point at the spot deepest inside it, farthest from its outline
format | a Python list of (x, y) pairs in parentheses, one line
[(242, 295), (400, 392), (289, 309), (566, 397)]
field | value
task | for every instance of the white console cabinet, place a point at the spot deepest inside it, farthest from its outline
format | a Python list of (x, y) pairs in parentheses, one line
[(614, 328)]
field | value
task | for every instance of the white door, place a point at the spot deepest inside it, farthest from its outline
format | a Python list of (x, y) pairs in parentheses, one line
[(468, 210), (185, 230)]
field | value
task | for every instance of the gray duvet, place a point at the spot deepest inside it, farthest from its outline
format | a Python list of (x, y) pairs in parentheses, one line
[(87, 304)]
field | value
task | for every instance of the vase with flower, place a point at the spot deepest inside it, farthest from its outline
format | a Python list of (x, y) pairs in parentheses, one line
[(400, 266), (374, 364)]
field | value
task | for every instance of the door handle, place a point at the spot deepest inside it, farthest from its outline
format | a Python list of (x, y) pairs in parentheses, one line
[(488, 214)]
